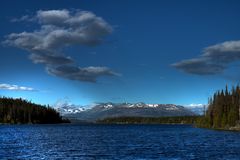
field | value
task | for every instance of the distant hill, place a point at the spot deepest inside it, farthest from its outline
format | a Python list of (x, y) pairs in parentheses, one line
[(108, 110), (150, 120), (19, 111)]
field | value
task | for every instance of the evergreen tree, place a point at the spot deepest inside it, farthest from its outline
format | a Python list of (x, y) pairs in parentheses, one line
[(21, 111), (223, 109)]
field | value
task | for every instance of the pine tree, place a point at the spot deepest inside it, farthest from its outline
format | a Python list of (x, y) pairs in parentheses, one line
[(22, 111), (223, 109)]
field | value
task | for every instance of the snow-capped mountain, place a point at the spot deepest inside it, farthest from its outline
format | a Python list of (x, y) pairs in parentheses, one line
[(69, 109), (104, 110), (65, 108)]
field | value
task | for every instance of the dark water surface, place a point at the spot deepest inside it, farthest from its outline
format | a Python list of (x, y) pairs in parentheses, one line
[(116, 142)]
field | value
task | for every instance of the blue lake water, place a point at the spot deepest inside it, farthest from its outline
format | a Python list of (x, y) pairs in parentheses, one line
[(71, 141)]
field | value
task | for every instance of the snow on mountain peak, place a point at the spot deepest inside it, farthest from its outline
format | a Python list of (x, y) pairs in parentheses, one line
[(65, 107), (108, 106)]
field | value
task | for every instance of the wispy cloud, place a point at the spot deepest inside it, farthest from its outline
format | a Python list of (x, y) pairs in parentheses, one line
[(23, 18), (15, 87), (60, 29), (214, 59)]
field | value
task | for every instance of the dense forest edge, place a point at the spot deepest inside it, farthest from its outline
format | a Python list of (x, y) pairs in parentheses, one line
[(20, 111), (151, 120), (223, 110)]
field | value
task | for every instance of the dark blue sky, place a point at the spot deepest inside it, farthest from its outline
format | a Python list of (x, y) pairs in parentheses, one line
[(150, 51)]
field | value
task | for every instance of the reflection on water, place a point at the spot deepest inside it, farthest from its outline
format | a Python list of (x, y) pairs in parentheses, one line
[(116, 142)]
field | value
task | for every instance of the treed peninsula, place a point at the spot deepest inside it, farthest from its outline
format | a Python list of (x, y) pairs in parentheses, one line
[(150, 120), (223, 110), (19, 111)]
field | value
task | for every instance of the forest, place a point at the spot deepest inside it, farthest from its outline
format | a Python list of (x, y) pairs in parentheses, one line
[(150, 120), (223, 110), (20, 111)]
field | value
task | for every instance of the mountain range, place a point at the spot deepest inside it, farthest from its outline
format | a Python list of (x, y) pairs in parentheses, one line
[(106, 110)]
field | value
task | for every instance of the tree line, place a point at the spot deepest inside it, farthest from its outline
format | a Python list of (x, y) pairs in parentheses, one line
[(20, 111), (223, 109), (150, 120)]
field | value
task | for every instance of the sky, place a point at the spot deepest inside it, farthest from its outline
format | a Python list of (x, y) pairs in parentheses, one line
[(90, 51)]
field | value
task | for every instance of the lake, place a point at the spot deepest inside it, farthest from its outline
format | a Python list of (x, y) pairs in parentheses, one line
[(72, 141)]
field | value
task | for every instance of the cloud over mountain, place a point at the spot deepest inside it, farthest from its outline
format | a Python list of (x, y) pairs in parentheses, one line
[(214, 59), (60, 29)]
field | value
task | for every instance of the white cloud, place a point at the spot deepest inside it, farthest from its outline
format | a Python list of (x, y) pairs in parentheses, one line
[(15, 87), (53, 16)]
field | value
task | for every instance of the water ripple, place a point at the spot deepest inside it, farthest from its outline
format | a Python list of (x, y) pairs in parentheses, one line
[(89, 142)]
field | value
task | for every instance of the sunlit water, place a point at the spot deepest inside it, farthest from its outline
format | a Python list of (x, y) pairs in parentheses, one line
[(116, 142)]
